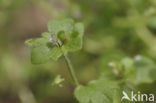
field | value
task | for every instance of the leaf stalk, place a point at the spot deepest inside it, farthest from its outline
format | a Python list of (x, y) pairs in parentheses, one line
[(71, 70)]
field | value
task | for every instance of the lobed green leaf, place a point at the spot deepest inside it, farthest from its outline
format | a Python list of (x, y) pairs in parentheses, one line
[(98, 91)]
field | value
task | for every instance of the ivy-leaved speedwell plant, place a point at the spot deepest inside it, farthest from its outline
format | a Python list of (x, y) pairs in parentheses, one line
[(64, 36)]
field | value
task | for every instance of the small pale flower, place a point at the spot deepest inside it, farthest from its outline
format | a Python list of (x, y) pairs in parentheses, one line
[(111, 64), (60, 85), (138, 57), (51, 39)]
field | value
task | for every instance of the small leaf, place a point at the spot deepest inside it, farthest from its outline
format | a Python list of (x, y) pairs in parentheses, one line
[(55, 53), (40, 55), (73, 44), (43, 50), (127, 62), (46, 35), (79, 28), (98, 91), (37, 42), (29, 42), (56, 25), (74, 41), (128, 65), (142, 72), (61, 36)]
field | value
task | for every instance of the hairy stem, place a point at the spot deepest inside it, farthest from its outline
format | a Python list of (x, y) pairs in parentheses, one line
[(71, 70)]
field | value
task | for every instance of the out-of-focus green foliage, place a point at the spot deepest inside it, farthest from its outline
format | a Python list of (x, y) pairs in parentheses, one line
[(136, 71)]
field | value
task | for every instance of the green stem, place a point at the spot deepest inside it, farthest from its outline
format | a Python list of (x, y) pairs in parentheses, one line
[(70, 67), (71, 70)]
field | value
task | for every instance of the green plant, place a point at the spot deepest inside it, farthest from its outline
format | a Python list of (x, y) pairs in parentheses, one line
[(65, 36)]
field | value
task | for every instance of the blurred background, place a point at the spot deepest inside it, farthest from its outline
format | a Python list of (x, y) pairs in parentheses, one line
[(112, 27)]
